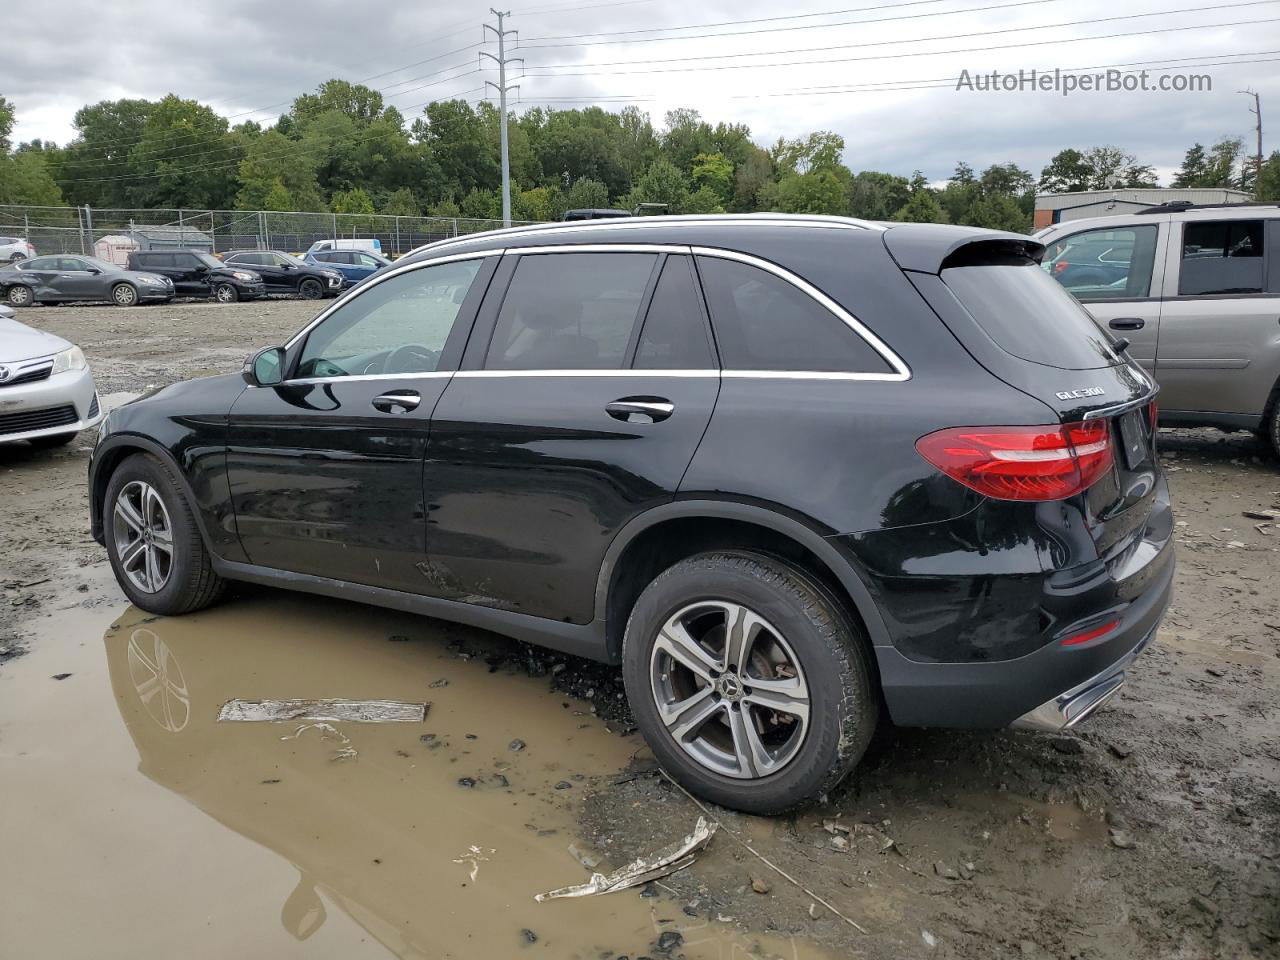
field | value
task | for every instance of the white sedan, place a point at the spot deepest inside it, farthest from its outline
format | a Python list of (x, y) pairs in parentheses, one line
[(47, 394)]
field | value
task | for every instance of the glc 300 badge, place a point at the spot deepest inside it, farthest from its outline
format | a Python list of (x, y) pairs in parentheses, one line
[(1080, 394)]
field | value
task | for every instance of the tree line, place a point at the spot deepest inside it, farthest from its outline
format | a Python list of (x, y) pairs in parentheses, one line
[(342, 149)]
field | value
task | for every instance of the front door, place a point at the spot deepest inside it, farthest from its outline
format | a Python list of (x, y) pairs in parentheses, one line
[(1114, 272), (587, 385), (326, 469), (79, 280), (1221, 317)]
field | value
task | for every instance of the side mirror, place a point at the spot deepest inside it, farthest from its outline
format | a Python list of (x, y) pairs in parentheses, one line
[(287, 266), (93, 270), (265, 368)]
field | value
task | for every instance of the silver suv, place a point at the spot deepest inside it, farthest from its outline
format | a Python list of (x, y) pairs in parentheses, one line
[(1196, 290)]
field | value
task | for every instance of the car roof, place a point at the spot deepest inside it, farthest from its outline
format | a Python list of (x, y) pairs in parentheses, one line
[(1175, 214), (916, 246)]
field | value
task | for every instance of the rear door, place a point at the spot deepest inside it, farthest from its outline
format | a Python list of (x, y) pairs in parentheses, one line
[(190, 277), (326, 468), (1220, 346), (1116, 273), (43, 272), (586, 388)]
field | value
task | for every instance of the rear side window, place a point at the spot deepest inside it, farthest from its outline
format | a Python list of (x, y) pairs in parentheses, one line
[(763, 322), (1222, 257), (674, 335), (1028, 315), (1105, 264), (570, 311), (155, 261)]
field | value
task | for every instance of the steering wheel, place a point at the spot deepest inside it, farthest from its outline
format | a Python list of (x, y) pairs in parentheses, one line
[(411, 358)]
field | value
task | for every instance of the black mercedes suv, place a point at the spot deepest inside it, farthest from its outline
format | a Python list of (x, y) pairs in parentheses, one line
[(797, 475)]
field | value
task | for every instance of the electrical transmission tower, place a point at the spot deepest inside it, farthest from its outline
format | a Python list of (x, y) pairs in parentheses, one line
[(502, 87)]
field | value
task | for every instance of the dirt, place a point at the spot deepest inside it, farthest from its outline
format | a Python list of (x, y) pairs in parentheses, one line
[(1151, 832)]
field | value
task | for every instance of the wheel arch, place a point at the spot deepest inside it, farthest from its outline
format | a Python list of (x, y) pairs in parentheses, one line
[(664, 535), (109, 455)]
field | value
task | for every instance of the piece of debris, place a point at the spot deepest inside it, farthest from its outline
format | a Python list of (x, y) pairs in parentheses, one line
[(1069, 745), (1273, 515), (760, 884), (929, 939), (272, 780), (467, 782), (564, 785), (516, 745), (336, 711), (669, 859), (327, 732), (833, 826), (1121, 839), (437, 684), (1215, 673), (529, 935), (61, 676), (1204, 905), (584, 857), (474, 857), (669, 941), (839, 843), (1118, 751), (945, 870)]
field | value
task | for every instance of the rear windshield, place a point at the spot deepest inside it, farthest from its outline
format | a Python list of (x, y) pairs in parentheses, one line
[(1029, 315)]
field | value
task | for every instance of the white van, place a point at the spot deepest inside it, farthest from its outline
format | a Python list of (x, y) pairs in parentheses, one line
[(373, 245)]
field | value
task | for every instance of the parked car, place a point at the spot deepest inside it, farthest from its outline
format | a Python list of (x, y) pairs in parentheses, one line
[(906, 470), (47, 394), (282, 273), (1197, 294), (595, 214), (15, 250), (370, 244), (198, 274), (1092, 262), (63, 279), (354, 265)]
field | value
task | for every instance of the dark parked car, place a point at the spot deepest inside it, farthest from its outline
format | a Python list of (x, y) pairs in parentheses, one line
[(354, 265), (64, 279), (198, 274), (282, 273), (789, 472)]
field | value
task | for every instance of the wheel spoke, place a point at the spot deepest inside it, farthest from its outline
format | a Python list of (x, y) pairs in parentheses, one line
[(788, 696), (676, 641), (153, 571), (741, 627), (753, 758), (129, 514), (129, 556), (684, 718)]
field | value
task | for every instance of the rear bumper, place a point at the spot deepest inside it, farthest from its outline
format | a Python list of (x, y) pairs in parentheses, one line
[(1050, 688)]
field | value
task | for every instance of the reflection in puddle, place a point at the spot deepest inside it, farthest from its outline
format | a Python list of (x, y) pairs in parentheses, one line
[(432, 837)]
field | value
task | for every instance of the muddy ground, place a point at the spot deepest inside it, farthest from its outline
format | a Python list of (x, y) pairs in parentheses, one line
[(1152, 832)]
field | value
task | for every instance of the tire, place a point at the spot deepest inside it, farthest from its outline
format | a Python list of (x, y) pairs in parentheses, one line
[(20, 295), (310, 289), (17, 258), (797, 618), (226, 293), (1270, 431), (188, 583), (124, 295), (53, 440)]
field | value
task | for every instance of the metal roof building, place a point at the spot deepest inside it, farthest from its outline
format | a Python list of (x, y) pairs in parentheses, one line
[(169, 237), (1056, 207)]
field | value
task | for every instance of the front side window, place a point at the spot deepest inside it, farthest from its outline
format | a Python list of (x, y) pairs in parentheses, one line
[(1222, 257), (398, 326), (570, 311), (764, 322), (1105, 264)]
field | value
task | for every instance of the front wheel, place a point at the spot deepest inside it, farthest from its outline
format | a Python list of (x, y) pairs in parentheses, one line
[(749, 680), (310, 289), (20, 296), (124, 295), (154, 545), (226, 293)]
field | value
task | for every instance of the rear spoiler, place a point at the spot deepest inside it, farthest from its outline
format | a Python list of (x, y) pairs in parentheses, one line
[(932, 247)]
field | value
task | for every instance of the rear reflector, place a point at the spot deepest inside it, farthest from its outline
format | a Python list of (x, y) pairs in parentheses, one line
[(1088, 635), (1022, 463)]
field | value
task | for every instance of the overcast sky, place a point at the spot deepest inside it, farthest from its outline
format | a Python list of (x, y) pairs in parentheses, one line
[(250, 59)]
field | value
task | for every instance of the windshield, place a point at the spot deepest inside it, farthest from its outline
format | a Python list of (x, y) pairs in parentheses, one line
[(1029, 315), (290, 259), (210, 261)]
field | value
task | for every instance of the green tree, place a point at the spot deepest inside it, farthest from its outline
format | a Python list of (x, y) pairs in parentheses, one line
[(586, 194), (813, 152), (818, 191), (25, 178), (277, 197), (401, 203), (352, 201), (997, 211), (183, 157), (1268, 187), (753, 175), (1194, 164), (358, 102), (1222, 166), (686, 136), (661, 183), (1098, 168), (714, 172), (963, 175), (922, 207), (275, 170), (877, 196), (459, 147), (6, 123), (95, 167)]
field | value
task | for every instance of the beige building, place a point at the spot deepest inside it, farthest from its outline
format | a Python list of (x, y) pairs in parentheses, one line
[(1054, 208)]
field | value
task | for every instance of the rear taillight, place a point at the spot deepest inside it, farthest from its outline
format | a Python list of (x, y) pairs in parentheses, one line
[(1059, 267), (1154, 413), (1022, 463)]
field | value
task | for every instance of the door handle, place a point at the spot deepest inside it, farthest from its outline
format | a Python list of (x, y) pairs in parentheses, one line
[(640, 409), (1127, 323), (397, 401)]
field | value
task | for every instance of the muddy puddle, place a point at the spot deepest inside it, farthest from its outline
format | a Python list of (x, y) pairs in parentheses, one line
[(141, 826)]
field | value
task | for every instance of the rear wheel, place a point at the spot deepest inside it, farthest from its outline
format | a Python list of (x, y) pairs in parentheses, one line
[(1270, 432), (310, 289), (20, 296), (226, 293), (154, 545), (750, 682), (124, 295)]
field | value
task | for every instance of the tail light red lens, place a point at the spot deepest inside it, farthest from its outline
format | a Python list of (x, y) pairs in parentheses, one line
[(1088, 635), (1154, 413), (1022, 463), (1059, 267)]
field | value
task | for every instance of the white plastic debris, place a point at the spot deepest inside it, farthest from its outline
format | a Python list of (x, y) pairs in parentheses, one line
[(669, 859), (337, 711)]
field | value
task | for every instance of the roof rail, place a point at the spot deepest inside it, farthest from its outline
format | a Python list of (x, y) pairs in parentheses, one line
[(1177, 206)]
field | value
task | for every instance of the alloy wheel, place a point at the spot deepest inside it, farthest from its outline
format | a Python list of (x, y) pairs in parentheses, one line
[(124, 295), (143, 536), (225, 293), (729, 689), (20, 296)]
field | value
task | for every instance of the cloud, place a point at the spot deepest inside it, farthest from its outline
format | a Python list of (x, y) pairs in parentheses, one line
[(248, 60)]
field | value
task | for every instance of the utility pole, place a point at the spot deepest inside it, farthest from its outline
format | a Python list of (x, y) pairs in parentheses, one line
[(1256, 110), (502, 60)]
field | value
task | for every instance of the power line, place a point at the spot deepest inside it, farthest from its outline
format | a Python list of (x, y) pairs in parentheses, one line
[(880, 56), (807, 26), (897, 42)]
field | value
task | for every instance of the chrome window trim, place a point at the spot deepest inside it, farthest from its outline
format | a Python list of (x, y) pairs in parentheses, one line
[(811, 375), (683, 248), (370, 284), (429, 375), (598, 372), (900, 369)]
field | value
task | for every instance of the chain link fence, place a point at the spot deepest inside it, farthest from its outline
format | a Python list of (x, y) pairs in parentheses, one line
[(104, 232)]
